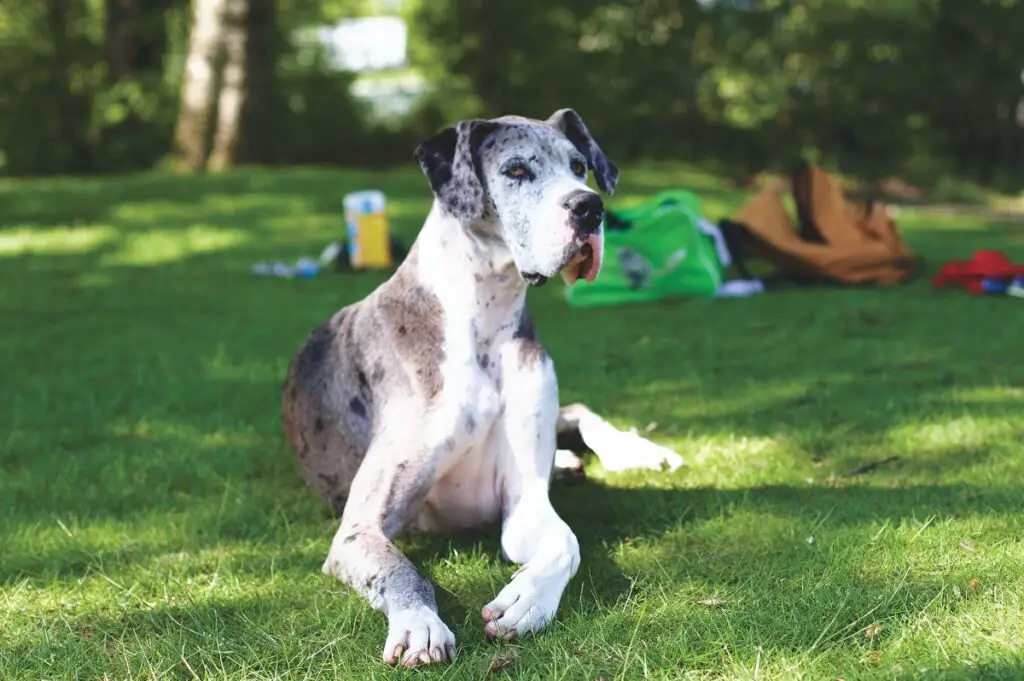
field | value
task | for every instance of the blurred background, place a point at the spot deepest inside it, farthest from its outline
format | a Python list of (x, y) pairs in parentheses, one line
[(927, 91)]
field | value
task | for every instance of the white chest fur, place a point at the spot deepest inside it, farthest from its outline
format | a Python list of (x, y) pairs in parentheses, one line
[(481, 296)]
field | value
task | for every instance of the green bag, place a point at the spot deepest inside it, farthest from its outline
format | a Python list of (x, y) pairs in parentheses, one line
[(653, 250)]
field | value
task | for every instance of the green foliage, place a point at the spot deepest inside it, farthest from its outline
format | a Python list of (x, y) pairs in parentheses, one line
[(62, 110), (921, 88), (868, 85)]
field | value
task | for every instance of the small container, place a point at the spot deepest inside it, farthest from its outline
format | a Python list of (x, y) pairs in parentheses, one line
[(366, 220)]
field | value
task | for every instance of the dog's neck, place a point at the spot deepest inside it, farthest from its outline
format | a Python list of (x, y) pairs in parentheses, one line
[(471, 272)]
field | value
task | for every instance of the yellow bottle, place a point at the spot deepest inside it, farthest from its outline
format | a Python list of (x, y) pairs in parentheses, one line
[(367, 222)]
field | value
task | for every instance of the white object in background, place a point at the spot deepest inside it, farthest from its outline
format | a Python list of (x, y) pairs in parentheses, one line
[(739, 288)]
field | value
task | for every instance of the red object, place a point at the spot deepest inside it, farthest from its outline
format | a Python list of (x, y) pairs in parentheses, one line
[(968, 274)]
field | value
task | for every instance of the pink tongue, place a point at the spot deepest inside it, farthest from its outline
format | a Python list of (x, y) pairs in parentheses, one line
[(592, 265)]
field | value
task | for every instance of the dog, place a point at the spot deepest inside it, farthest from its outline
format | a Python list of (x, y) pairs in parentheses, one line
[(431, 403)]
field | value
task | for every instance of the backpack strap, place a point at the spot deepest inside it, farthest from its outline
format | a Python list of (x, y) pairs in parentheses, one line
[(735, 234)]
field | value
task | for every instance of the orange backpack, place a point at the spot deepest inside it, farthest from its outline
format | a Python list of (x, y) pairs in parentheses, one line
[(837, 240)]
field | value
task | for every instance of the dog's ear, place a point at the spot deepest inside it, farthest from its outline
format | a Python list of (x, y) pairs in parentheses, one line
[(451, 162), (569, 123)]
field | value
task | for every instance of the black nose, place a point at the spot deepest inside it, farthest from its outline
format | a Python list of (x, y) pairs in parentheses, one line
[(586, 208)]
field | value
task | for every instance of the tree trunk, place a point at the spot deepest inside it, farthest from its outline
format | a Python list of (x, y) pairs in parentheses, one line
[(198, 86), (233, 86), (136, 37), (263, 48), (70, 109)]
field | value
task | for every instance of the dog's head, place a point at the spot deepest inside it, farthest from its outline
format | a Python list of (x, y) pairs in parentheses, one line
[(523, 182)]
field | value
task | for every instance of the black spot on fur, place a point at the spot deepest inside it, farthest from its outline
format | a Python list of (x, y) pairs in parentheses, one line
[(357, 407), (470, 422), (349, 539), (409, 305), (330, 481), (451, 162), (530, 350), (363, 383), (318, 425), (484, 360), (378, 374)]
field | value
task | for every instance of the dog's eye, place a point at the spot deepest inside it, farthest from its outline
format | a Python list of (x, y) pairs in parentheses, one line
[(578, 168), (516, 170)]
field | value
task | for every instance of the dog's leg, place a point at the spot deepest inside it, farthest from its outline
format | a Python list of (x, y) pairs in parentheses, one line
[(618, 450), (533, 535), (386, 494)]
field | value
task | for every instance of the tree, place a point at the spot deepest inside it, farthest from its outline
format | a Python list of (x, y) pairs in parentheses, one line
[(199, 83), (233, 85), (222, 98), (136, 37)]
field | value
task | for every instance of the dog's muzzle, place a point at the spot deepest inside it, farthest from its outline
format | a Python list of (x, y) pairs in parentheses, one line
[(586, 211)]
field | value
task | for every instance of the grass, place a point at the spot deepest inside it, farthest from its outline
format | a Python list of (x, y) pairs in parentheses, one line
[(153, 525)]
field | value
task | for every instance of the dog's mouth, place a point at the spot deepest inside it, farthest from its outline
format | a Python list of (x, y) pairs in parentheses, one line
[(586, 264)]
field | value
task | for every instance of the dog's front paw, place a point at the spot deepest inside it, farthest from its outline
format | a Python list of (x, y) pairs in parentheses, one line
[(418, 637), (524, 606)]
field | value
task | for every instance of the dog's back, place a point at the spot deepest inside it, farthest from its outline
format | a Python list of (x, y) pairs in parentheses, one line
[(327, 406), (388, 344)]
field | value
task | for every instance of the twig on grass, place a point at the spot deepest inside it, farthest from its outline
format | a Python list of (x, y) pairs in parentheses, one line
[(870, 466)]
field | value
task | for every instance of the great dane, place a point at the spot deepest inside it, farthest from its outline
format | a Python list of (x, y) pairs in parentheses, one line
[(431, 404)]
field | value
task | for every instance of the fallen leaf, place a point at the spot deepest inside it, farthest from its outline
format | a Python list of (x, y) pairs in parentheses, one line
[(501, 661), (973, 584), (873, 630), (877, 657), (711, 603)]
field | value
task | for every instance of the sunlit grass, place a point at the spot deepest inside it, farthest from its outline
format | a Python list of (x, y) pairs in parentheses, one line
[(850, 507)]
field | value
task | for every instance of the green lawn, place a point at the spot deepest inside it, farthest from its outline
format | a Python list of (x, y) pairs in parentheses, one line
[(153, 524)]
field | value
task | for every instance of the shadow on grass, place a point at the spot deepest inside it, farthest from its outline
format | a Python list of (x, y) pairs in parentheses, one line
[(782, 597)]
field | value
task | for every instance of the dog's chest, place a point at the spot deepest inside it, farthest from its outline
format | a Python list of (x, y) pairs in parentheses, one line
[(465, 492)]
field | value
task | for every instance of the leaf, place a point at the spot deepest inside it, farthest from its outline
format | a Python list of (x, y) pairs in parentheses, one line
[(712, 603), (501, 661)]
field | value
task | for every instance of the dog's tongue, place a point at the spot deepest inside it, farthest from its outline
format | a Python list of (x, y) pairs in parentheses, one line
[(587, 263)]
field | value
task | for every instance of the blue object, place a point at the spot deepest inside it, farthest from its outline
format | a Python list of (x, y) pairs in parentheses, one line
[(306, 268), (994, 286)]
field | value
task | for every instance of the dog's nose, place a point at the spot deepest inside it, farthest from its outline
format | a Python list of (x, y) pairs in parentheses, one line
[(586, 208)]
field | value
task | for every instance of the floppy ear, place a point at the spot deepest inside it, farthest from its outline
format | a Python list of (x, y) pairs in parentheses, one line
[(451, 162), (571, 125)]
